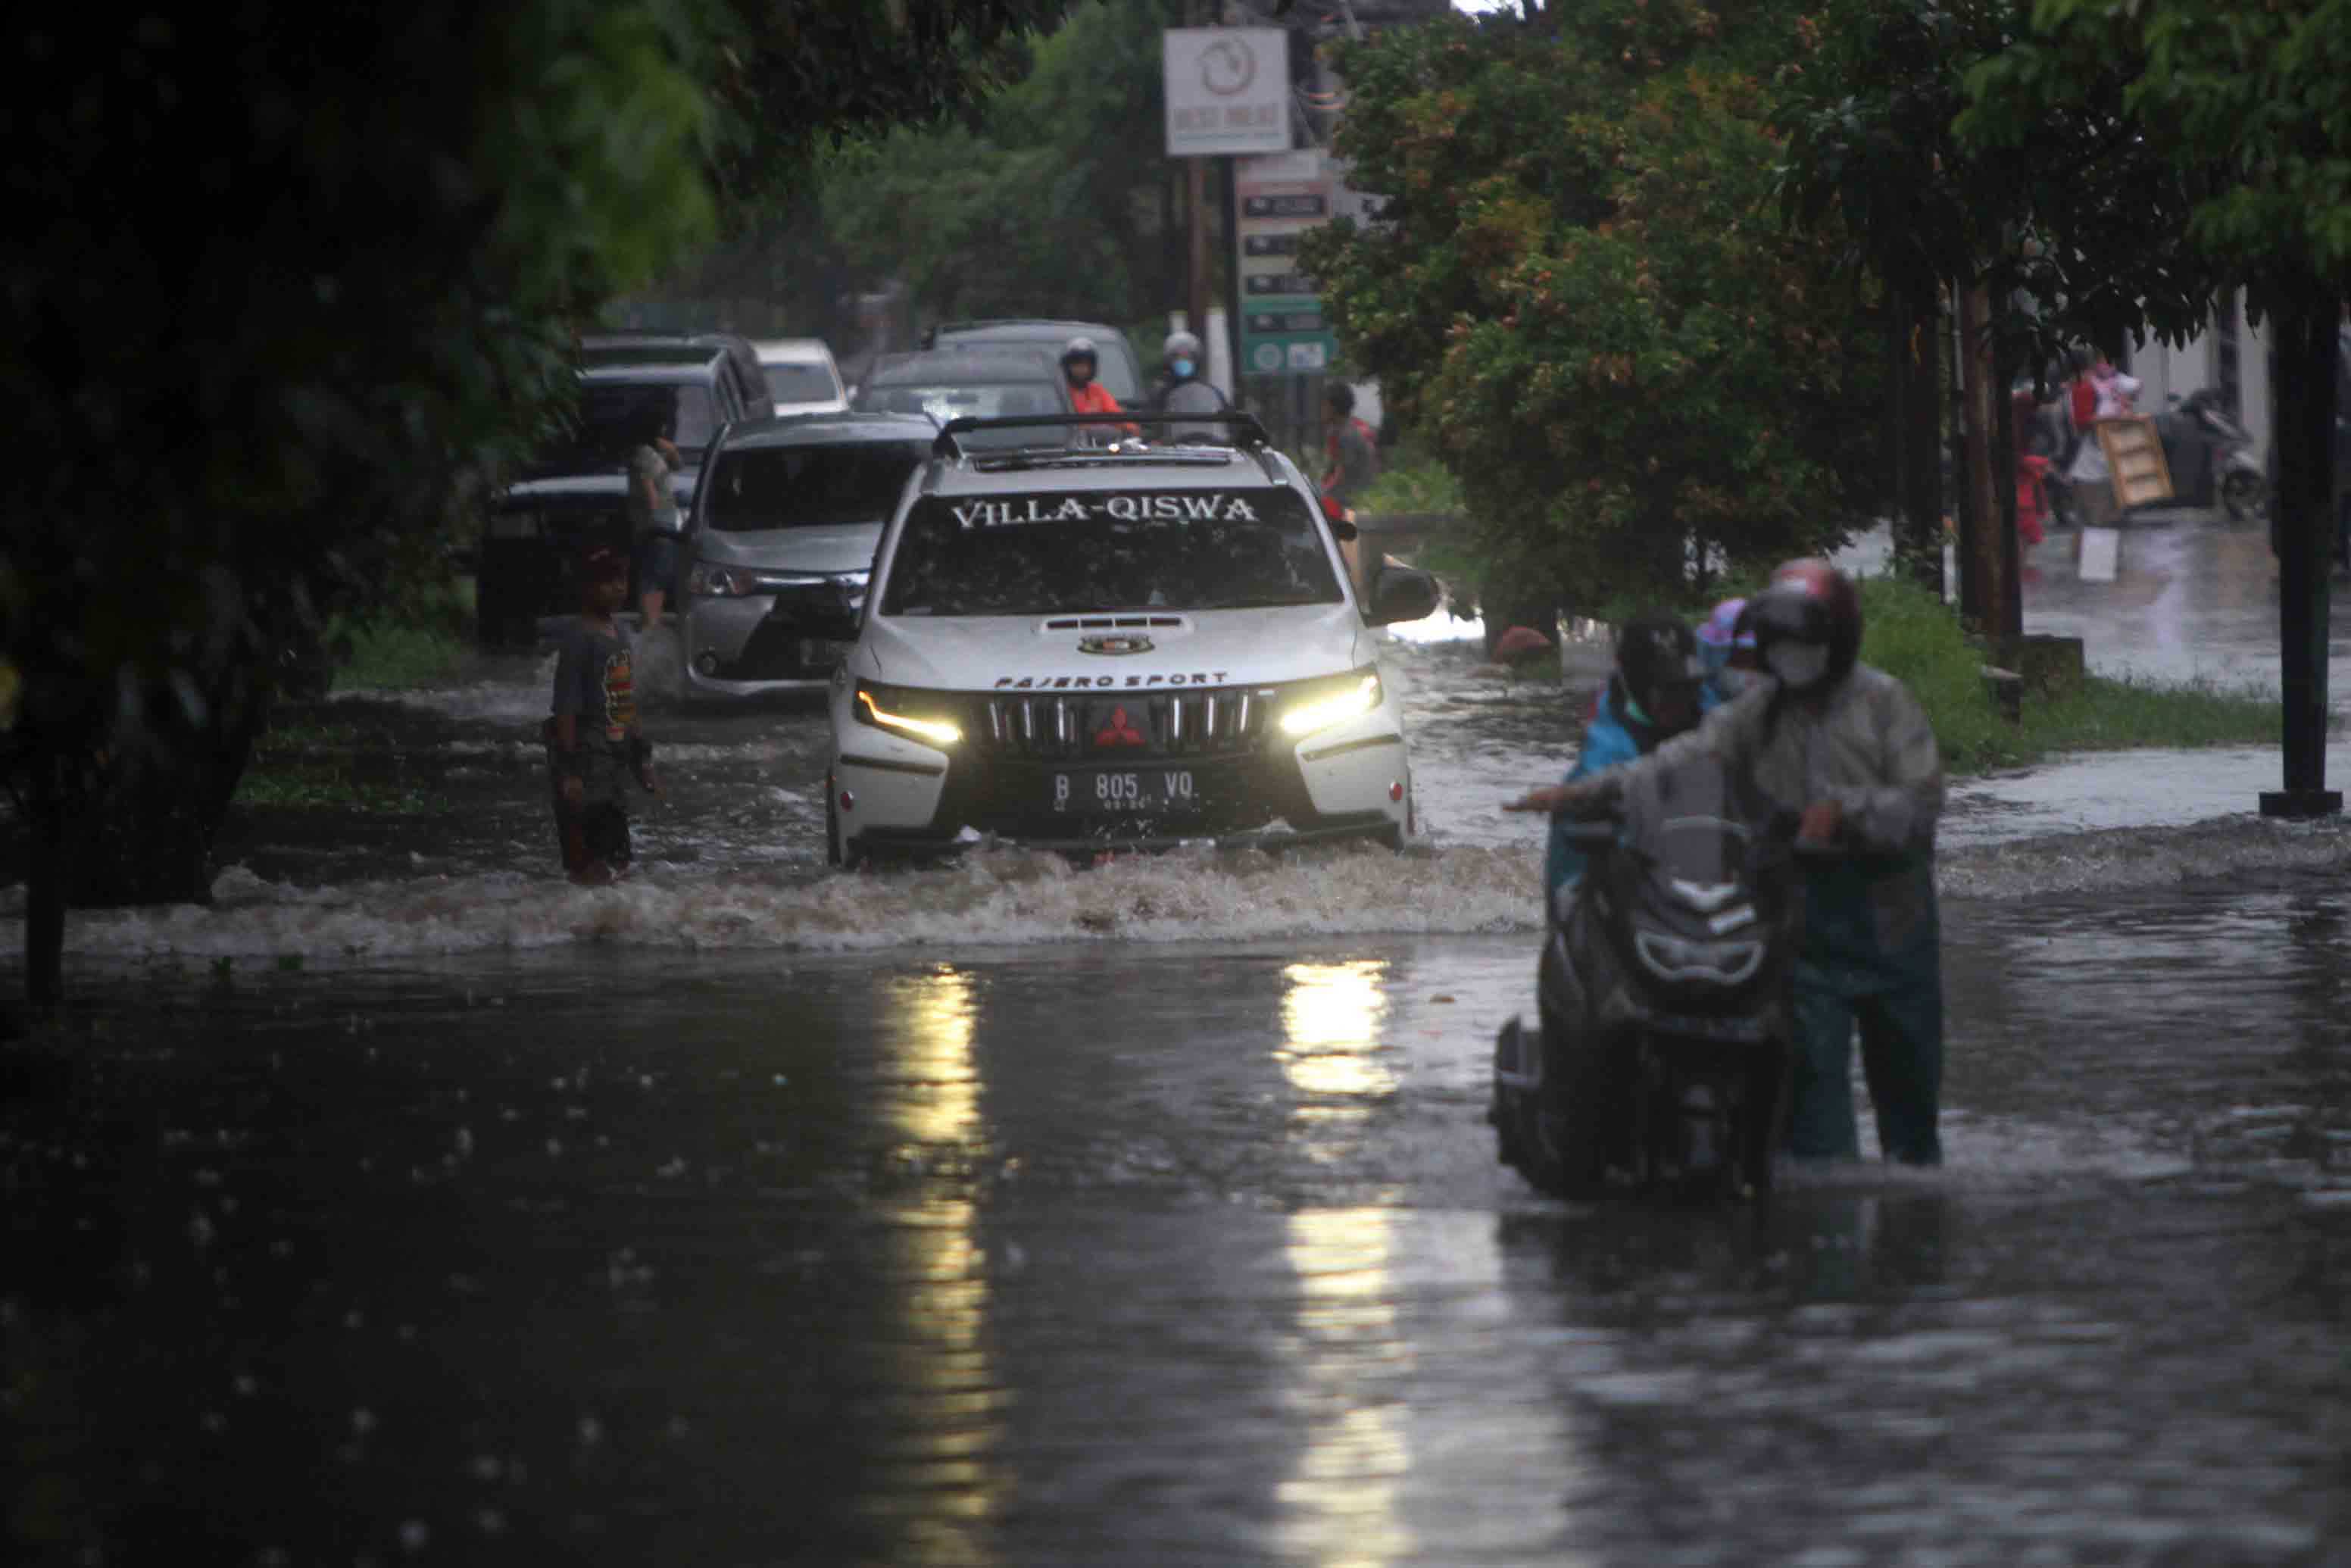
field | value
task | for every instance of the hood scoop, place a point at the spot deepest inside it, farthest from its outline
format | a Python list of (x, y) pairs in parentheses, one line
[(1108, 622)]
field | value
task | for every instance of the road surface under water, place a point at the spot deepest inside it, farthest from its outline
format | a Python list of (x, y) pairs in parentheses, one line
[(410, 1204)]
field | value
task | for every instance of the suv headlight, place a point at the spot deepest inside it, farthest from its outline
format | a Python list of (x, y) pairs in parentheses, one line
[(926, 717), (1319, 704)]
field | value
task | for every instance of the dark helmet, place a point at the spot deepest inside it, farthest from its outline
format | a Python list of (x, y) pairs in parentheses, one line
[(1811, 602), (1080, 347), (1657, 658)]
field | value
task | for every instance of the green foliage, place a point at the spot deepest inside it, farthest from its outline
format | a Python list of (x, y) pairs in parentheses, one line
[(2249, 108), (1056, 199), (1577, 297), (2074, 229), (792, 78)]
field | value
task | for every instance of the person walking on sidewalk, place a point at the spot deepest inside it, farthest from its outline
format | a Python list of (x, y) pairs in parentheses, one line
[(2103, 393), (1848, 752)]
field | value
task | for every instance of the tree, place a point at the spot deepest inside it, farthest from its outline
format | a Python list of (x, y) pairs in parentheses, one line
[(1871, 147), (1577, 294), (303, 281), (1058, 198), (2250, 110)]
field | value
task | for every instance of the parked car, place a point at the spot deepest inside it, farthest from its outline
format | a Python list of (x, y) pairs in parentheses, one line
[(802, 377), (1115, 363), (1082, 648), (598, 349), (575, 491), (786, 517), (988, 382), (526, 571)]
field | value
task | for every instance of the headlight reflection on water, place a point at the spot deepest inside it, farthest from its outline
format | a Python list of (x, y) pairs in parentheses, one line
[(1344, 1499), (943, 1486)]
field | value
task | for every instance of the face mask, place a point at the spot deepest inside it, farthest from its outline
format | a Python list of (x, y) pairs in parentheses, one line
[(1183, 369), (1797, 664)]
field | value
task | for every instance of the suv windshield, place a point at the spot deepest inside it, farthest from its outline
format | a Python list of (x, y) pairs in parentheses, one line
[(759, 487), (797, 381), (1055, 552)]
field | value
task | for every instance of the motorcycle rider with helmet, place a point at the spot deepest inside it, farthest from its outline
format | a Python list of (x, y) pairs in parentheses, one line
[(1658, 691), (1849, 750), (1080, 363), (1184, 391)]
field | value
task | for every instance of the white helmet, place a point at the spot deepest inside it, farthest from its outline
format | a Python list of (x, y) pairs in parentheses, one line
[(1181, 343), (1080, 347)]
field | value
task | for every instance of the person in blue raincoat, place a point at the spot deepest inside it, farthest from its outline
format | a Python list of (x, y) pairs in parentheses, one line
[(1726, 647), (1656, 691), (1850, 750)]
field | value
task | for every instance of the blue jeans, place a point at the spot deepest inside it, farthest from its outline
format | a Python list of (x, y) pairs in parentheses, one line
[(1872, 958)]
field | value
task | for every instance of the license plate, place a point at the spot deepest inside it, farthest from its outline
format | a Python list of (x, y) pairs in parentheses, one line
[(817, 654), (1123, 791)]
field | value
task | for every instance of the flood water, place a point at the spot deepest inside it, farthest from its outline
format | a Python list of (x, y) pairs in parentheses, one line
[(412, 1205)]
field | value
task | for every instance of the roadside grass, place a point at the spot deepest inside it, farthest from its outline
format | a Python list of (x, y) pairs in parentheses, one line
[(1907, 632), (396, 658), (426, 648), (309, 783), (320, 764)]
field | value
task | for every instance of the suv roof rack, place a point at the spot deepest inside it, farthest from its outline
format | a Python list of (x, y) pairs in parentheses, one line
[(1249, 436)]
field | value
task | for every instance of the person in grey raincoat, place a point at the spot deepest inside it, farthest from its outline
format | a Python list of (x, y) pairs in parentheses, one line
[(1851, 750), (1186, 390)]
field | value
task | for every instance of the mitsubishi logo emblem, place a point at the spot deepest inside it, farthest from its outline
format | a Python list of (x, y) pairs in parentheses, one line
[(1119, 731)]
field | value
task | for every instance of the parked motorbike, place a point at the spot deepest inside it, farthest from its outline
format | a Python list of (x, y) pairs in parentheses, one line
[(2212, 458), (1663, 1055)]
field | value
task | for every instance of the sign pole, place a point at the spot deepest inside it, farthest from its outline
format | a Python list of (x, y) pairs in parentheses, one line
[(1232, 287)]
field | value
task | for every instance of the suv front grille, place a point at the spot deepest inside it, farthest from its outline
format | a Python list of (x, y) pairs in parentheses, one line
[(1226, 721)]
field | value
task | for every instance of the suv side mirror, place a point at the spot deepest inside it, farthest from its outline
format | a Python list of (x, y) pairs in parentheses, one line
[(1402, 594)]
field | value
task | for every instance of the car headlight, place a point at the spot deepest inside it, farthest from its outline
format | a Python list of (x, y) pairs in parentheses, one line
[(708, 581), (1326, 703), (921, 714)]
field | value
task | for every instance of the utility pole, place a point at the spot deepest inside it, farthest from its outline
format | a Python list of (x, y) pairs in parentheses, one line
[(2302, 383), (1196, 210)]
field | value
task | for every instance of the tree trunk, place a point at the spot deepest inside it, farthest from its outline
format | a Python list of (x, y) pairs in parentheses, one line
[(2301, 383), (1915, 436), (1988, 511), (44, 890)]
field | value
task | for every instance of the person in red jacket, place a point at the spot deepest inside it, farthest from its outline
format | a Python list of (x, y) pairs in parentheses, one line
[(1081, 362)]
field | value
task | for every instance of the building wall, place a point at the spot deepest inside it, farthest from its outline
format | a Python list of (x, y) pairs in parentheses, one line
[(2203, 361)]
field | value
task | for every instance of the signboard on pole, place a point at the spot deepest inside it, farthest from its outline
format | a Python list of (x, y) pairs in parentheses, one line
[(1275, 199), (1228, 91)]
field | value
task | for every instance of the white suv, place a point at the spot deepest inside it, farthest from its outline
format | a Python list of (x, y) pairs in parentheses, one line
[(1083, 647)]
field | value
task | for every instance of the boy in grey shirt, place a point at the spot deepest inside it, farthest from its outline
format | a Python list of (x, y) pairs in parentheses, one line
[(593, 741)]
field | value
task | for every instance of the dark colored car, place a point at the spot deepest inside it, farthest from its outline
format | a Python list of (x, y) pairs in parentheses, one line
[(527, 570), (742, 368), (982, 383), (575, 491), (1120, 372)]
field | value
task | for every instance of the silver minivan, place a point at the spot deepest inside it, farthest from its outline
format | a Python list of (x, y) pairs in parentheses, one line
[(785, 520)]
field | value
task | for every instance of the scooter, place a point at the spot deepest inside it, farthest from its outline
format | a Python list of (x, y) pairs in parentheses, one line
[(2212, 459), (1663, 1057)]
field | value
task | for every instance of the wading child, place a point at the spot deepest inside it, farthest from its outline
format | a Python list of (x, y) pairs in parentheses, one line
[(592, 742)]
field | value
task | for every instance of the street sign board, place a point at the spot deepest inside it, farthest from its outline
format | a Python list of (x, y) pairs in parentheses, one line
[(1228, 91), (1275, 199)]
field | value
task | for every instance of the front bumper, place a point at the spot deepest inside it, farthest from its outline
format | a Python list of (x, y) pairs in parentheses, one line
[(742, 647), (1262, 788)]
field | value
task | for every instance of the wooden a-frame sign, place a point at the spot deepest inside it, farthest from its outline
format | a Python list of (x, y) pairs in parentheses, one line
[(2135, 463)]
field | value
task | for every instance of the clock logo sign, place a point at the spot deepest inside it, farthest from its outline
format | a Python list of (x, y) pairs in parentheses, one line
[(1228, 67)]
